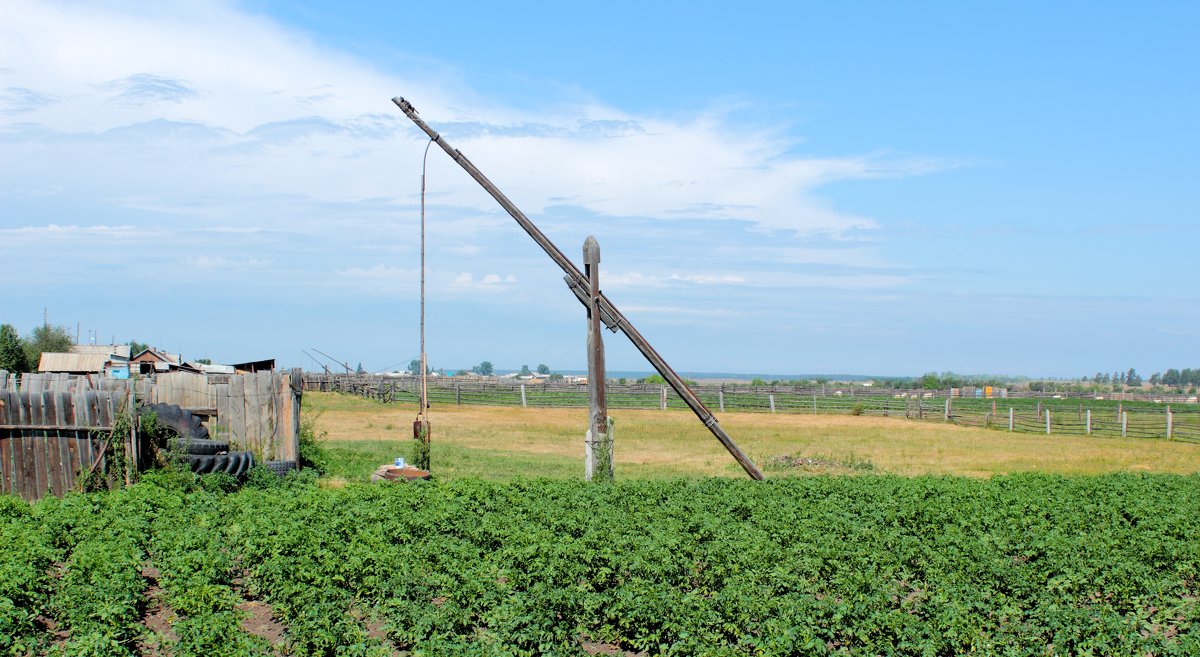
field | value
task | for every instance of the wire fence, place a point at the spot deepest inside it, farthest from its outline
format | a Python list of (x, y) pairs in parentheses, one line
[(1024, 414)]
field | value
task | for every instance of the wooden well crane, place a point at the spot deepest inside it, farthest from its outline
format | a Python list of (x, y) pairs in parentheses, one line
[(580, 285)]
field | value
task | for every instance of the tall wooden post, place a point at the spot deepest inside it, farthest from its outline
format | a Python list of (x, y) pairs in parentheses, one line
[(598, 441)]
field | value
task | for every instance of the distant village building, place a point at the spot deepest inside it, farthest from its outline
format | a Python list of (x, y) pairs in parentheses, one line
[(151, 361), (107, 359)]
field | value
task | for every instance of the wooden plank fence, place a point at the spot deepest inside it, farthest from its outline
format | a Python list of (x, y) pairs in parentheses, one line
[(55, 426)]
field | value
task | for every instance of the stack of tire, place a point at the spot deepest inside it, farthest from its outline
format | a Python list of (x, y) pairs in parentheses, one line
[(188, 439)]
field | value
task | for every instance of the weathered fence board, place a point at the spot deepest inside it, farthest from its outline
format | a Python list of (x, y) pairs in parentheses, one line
[(54, 427)]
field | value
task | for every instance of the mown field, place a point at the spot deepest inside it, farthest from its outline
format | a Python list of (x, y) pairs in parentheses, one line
[(866, 540), (503, 442)]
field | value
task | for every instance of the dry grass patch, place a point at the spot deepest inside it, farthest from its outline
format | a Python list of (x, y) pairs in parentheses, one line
[(672, 443)]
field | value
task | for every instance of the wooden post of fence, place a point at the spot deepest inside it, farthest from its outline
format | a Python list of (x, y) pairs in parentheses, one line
[(1088, 427), (771, 399), (458, 394), (947, 409), (721, 400), (1039, 408), (662, 398), (1169, 421), (1124, 424), (814, 404), (1047, 422), (1011, 424), (524, 403), (1120, 410)]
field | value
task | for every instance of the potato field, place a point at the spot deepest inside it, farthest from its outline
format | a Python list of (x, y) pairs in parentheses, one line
[(822, 565)]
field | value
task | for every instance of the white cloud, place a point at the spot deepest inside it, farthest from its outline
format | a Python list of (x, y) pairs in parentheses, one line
[(709, 279), (378, 272), (221, 262), (466, 280), (186, 100), (851, 279)]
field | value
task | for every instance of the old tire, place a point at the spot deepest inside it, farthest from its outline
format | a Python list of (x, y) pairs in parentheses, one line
[(236, 464), (203, 446), (280, 468), (175, 419)]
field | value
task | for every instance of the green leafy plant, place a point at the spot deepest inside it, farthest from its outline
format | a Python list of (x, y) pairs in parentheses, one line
[(312, 453)]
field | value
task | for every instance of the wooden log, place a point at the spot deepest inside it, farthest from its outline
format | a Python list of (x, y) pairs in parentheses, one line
[(220, 424), (237, 412), (54, 440), (6, 474), (295, 394), (266, 392), (17, 448)]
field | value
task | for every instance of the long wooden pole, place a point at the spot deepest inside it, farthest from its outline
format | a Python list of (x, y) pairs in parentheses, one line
[(579, 285)]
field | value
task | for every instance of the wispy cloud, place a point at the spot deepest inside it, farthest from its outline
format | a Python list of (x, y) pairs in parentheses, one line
[(466, 280), (19, 100), (147, 88)]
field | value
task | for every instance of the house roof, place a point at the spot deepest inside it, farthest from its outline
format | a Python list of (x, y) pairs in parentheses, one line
[(66, 362), (151, 354), (121, 351)]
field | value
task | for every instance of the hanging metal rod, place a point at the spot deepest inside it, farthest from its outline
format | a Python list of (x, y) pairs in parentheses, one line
[(578, 283)]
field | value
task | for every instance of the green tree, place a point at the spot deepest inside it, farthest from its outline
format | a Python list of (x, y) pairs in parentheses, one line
[(1172, 378), (204, 361), (525, 370), (484, 368), (12, 351), (360, 369), (414, 366), (542, 368), (136, 347), (931, 381), (1132, 378), (54, 339)]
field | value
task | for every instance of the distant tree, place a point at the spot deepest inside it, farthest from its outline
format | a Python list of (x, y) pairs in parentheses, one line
[(543, 369), (1189, 377), (757, 382), (204, 361), (1132, 378), (653, 378), (12, 350), (1099, 378), (525, 371), (1156, 378), (54, 339), (484, 368), (136, 347), (931, 381), (558, 377), (360, 369), (1172, 378), (1117, 378)]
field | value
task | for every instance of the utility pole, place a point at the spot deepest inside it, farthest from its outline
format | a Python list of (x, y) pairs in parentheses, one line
[(598, 462)]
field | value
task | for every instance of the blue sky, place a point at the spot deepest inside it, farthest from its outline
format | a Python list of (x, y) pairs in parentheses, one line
[(869, 188)]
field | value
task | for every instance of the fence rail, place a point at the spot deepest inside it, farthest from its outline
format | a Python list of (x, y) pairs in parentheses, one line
[(1025, 414)]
